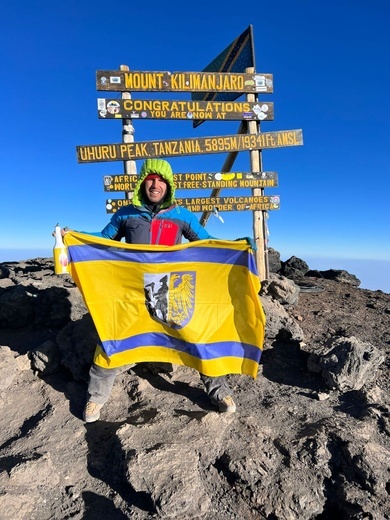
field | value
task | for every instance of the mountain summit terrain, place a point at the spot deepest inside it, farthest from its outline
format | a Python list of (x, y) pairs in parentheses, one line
[(309, 440)]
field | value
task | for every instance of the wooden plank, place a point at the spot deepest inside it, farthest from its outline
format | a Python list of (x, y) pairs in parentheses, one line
[(163, 109), (200, 204), (129, 167), (199, 181), (165, 81), (191, 146), (258, 216)]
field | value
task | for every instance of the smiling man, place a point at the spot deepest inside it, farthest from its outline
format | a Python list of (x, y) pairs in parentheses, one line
[(153, 218)]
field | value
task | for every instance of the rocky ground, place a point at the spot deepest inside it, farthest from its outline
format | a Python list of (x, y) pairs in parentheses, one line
[(309, 440)]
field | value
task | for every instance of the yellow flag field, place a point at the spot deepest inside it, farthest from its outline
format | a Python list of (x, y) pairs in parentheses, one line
[(194, 304)]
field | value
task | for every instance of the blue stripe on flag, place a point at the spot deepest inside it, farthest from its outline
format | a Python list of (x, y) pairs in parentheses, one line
[(198, 350), (224, 256)]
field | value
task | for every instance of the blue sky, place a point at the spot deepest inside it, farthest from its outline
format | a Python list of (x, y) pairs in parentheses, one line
[(331, 74)]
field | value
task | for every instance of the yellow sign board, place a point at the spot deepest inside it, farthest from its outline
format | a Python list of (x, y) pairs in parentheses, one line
[(164, 81), (191, 146), (189, 110), (199, 181), (216, 204)]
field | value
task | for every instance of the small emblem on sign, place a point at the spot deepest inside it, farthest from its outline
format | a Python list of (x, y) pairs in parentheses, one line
[(260, 83), (115, 79), (259, 111), (113, 107), (101, 103), (275, 201)]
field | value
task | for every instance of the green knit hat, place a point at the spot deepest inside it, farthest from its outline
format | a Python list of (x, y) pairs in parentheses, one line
[(162, 168)]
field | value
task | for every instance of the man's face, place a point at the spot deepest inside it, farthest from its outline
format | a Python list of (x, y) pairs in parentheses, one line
[(155, 189)]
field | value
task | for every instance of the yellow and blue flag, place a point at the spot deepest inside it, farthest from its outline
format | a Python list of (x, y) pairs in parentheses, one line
[(193, 304)]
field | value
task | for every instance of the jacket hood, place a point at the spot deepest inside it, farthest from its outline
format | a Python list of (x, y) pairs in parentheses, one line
[(162, 168)]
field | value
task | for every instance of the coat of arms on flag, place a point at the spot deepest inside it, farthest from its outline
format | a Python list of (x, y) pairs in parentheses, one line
[(170, 297)]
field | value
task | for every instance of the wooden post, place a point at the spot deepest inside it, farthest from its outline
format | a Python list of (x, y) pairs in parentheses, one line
[(129, 167), (259, 229)]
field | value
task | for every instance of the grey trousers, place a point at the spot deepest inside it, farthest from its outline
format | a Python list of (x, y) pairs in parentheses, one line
[(101, 381)]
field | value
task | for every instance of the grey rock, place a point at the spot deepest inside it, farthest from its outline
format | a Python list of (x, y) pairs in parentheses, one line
[(77, 343), (279, 324), (45, 358), (17, 306), (294, 268), (274, 262), (282, 289), (8, 367), (348, 364), (167, 461), (339, 275), (32, 296)]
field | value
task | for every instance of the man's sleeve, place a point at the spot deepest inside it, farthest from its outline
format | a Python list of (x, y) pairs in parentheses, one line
[(192, 229), (111, 230)]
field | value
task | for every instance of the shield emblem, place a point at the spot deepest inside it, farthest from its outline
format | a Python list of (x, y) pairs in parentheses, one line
[(170, 297)]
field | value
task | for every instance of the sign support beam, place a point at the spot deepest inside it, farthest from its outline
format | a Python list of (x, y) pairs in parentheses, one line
[(129, 167), (258, 216)]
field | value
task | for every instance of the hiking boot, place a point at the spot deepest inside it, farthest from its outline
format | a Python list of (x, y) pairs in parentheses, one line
[(91, 412), (225, 405)]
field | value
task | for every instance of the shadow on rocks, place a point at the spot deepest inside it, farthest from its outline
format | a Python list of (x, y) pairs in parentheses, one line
[(285, 363), (97, 506), (74, 391), (105, 462), (352, 403), (196, 395)]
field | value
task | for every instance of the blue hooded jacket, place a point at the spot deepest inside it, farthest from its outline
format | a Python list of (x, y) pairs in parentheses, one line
[(165, 224)]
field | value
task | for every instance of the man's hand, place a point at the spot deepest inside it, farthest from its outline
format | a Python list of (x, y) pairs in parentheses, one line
[(63, 232), (249, 241)]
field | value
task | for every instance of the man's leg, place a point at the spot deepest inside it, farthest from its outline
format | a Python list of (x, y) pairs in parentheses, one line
[(218, 389), (101, 381)]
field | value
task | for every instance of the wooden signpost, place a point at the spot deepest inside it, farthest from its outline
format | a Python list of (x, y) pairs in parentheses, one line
[(199, 181), (109, 108), (197, 204), (191, 146), (214, 94)]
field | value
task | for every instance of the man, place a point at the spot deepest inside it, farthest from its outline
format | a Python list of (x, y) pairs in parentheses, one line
[(152, 218)]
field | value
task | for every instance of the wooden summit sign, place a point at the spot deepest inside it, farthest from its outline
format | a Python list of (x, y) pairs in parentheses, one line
[(199, 181), (200, 204), (191, 110), (165, 81), (191, 146)]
